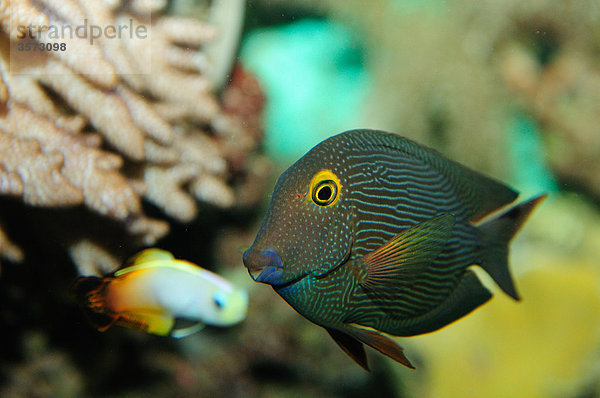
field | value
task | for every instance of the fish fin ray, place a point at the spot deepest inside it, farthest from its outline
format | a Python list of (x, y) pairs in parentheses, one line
[(479, 195), (100, 320), (466, 297), (381, 343), (496, 234), (150, 322), (145, 256), (164, 259), (85, 285), (351, 346), (405, 255), (187, 331), (89, 292)]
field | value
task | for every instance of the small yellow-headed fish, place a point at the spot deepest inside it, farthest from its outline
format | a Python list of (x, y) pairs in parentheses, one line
[(370, 232), (154, 289)]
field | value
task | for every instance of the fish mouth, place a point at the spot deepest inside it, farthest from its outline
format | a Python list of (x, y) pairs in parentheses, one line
[(264, 266)]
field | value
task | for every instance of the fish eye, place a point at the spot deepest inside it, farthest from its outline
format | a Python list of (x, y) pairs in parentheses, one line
[(324, 193), (325, 188), (219, 300)]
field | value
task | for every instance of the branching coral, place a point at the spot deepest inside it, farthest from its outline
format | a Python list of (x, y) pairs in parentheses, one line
[(112, 121), (563, 96), (20, 13), (34, 175)]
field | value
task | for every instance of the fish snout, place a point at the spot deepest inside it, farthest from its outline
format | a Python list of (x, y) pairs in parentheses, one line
[(264, 265)]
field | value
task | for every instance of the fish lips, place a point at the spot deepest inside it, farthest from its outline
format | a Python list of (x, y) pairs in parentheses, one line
[(264, 266), (271, 276)]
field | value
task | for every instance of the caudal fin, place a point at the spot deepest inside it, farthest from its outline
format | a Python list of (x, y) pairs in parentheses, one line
[(88, 292), (84, 285), (497, 234)]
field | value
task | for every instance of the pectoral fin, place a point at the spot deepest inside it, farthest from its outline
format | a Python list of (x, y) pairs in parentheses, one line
[(407, 254), (381, 343), (351, 346)]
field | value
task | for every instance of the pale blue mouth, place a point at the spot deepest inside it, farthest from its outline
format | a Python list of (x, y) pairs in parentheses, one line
[(270, 275), (264, 266)]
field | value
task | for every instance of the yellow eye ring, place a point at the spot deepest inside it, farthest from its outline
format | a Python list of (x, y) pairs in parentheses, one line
[(325, 188), (324, 193)]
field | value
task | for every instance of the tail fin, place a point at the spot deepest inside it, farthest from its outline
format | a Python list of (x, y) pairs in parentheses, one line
[(497, 233), (85, 285), (88, 292)]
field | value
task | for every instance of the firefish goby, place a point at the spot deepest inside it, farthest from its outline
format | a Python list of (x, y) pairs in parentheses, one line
[(372, 233), (154, 289)]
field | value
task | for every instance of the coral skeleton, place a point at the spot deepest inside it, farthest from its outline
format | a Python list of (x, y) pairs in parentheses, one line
[(20, 13), (109, 123)]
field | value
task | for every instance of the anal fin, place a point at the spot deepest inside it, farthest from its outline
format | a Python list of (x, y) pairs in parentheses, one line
[(351, 346), (149, 322)]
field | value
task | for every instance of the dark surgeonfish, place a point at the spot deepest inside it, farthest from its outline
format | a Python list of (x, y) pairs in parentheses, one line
[(370, 232)]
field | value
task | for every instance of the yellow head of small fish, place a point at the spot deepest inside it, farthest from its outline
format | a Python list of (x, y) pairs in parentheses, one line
[(229, 307)]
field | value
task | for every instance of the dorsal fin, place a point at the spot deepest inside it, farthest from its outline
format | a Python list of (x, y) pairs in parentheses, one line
[(479, 194), (405, 255), (381, 343), (146, 255)]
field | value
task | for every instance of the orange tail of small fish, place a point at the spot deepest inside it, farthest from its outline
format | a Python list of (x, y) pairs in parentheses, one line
[(497, 233), (88, 291)]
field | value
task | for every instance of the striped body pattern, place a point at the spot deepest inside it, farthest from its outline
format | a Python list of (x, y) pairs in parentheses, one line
[(370, 232)]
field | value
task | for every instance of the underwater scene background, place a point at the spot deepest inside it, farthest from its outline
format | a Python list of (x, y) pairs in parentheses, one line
[(105, 150)]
